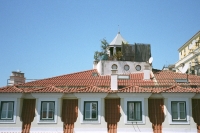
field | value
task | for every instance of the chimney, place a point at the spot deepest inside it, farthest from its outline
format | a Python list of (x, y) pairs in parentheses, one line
[(146, 72), (16, 77), (95, 64), (114, 84)]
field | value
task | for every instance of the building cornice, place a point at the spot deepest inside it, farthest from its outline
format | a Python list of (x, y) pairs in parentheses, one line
[(190, 40)]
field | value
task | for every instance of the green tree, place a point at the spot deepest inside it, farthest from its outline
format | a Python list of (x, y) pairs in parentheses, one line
[(96, 55), (104, 46)]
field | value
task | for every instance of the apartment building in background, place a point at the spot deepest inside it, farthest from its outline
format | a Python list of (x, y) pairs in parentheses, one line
[(189, 53)]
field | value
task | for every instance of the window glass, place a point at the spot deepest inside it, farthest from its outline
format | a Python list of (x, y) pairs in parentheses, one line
[(126, 67), (94, 110), (174, 111), (87, 110), (182, 110), (134, 111), (44, 110), (90, 110), (51, 110), (7, 110)]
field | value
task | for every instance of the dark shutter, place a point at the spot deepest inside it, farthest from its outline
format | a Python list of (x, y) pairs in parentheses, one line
[(195, 112), (112, 114), (69, 114), (28, 113), (156, 114)]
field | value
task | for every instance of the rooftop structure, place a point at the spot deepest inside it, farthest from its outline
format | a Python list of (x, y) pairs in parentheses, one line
[(117, 41)]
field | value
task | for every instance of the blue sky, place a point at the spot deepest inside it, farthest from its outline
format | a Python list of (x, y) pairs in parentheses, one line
[(49, 38)]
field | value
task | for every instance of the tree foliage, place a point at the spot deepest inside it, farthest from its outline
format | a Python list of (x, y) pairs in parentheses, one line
[(104, 47)]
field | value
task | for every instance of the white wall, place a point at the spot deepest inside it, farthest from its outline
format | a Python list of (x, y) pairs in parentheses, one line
[(105, 67), (101, 125)]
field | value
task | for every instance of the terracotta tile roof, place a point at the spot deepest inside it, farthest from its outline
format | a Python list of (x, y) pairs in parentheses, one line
[(10, 89), (85, 81), (48, 89), (86, 78), (135, 89), (178, 89), (167, 78), (93, 89)]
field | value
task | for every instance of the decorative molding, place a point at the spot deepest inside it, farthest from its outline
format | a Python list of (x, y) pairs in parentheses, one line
[(90, 95), (138, 95), (178, 95), (47, 95), (13, 95)]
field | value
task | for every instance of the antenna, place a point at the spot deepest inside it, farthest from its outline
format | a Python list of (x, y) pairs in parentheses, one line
[(185, 68), (150, 60), (118, 29)]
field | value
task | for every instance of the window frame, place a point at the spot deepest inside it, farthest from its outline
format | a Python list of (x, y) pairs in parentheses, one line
[(7, 110), (114, 65), (88, 97), (137, 98), (55, 98), (41, 108), (178, 97), (128, 102), (178, 111), (84, 111), (17, 104)]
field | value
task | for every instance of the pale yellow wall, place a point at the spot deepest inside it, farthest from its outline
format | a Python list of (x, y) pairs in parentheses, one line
[(185, 50)]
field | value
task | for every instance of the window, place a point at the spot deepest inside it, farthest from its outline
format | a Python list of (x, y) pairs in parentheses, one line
[(47, 110), (181, 80), (123, 77), (138, 67), (90, 110), (178, 111), (134, 111), (126, 67), (114, 66), (7, 109)]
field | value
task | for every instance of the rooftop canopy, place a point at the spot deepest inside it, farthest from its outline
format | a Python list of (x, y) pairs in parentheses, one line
[(118, 40)]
